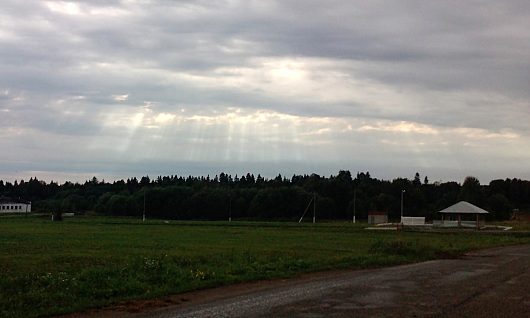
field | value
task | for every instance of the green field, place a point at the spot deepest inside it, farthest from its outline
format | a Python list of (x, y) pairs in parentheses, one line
[(50, 268)]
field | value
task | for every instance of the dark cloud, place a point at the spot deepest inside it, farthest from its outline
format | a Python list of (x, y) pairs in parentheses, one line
[(448, 65)]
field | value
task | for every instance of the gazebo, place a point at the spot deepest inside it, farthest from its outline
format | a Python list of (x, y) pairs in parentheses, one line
[(463, 208)]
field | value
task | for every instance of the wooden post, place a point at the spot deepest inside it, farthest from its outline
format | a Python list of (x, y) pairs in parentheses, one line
[(478, 222), (459, 221), (442, 218)]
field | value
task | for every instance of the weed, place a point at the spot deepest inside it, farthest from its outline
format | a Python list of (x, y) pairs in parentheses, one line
[(53, 268)]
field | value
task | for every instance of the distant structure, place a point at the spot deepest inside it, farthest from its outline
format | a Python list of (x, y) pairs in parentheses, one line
[(8, 205), (460, 209), (520, 215), (376, 217), (413, 220)]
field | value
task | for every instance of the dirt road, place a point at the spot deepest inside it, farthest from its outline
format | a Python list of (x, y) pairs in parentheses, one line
[(488, 283)]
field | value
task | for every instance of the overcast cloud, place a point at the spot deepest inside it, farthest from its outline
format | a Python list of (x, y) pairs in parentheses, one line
[(127, 88)]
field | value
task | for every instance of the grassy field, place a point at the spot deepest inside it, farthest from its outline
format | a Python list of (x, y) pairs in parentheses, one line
[(49, 268)]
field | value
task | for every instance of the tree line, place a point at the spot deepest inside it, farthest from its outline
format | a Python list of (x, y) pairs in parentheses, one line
[(251, 197)]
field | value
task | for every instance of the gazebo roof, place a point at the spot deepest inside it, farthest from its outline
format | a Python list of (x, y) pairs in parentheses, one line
[(463, 207)]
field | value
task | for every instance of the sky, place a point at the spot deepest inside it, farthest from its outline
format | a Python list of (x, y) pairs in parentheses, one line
[(116, 89)]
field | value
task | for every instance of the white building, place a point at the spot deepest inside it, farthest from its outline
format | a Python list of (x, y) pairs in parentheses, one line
[(8, 205)]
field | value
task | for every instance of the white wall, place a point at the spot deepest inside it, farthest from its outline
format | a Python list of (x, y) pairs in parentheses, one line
[(15, 208), (413, 220)]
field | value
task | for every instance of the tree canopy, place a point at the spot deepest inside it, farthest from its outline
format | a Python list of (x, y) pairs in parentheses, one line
[(256, 197)]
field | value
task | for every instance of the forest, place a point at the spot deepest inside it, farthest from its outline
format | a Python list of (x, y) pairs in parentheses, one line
[(249, 197)]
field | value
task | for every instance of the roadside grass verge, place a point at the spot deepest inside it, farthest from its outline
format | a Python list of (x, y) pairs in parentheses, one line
[(49, 268)]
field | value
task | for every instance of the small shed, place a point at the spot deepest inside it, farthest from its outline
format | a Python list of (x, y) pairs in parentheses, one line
[(377, 217), (463, 208)]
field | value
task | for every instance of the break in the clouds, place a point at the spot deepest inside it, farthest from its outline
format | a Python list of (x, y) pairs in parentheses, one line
[(124, 88)]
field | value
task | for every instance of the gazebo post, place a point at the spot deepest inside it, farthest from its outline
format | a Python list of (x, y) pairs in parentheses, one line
[(442, 218), (459, 220), (478, 221)]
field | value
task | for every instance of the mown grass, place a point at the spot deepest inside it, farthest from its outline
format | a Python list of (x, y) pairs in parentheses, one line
[(49, 268)]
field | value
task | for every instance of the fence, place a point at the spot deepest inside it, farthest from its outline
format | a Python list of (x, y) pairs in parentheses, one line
[(412, 220)]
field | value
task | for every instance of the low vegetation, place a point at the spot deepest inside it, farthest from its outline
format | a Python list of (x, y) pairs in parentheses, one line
[(50, 268)]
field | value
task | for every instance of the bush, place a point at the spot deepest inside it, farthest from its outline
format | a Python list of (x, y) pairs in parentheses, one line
[(57, 216), (403, 248)]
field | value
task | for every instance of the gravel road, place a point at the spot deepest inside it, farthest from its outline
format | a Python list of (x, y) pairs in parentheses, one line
[(487, 283)]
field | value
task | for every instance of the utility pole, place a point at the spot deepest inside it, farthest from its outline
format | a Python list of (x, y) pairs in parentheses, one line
[(314, 206), (307, 209), (143, 216), (354, 198), (402, 191), (230, 209)]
